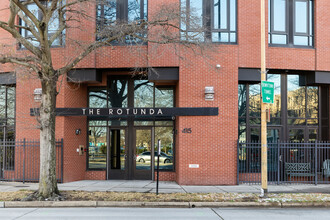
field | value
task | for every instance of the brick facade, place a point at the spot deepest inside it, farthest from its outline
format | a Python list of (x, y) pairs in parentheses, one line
[(212, 143)]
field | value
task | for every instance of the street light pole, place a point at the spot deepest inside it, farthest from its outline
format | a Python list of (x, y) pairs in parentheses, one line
[(263, 105)]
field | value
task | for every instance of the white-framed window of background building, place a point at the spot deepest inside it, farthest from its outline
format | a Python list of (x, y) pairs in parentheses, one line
[(291, 23), (210, 20)]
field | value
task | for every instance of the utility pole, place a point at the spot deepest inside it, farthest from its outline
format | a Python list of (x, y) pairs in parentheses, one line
[(264, 187)]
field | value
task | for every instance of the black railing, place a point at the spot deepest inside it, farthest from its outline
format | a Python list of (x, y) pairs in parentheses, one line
[(288, 162), (20, 160)]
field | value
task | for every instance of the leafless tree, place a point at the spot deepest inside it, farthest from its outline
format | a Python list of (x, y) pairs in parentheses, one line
[(36, 34)]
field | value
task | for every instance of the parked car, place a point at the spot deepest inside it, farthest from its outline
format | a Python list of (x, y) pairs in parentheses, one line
[(145, 157)]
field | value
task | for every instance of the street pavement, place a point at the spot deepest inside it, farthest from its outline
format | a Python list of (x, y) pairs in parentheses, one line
[(164, 187), (164, 214)]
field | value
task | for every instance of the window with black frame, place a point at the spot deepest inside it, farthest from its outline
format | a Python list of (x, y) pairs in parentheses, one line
[(145, 95), (54, 24), (112, 13), (296, 108), (209, 20), (291, 22), (7, 125)]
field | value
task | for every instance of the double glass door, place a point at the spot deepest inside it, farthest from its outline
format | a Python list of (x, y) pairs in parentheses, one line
[(129, 154)]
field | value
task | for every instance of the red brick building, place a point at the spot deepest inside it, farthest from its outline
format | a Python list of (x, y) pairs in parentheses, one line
[(196, 150)]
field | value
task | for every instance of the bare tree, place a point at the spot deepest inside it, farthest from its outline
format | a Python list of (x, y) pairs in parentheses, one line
[(37, 35)]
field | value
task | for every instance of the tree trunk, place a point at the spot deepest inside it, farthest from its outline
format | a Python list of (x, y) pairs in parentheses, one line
[(47, 180)]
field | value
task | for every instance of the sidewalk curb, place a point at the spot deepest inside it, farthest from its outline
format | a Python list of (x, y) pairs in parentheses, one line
[(94, 204)]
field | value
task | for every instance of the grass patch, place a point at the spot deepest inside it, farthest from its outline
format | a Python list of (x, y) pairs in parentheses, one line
[(176, 197)]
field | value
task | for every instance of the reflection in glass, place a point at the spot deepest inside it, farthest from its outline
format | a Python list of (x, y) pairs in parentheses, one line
[(134, 10), (273, 136), (97, 123), (7, 111), (279, 39), (97, 149), (165, 134), (117, 149), (275, 109), (164, 123), (296, 98), (143, 94), (143, 149), (117, 94), (279, 15), (241, 100), (254, 98), (255, 134), (220, 14), (241, 130), (296, 135), (312, 102), (2, 102), (97, 98), (312, 135), (164, 97), (301, 16)]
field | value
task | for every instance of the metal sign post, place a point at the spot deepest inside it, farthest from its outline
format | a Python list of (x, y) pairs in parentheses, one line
[(158, 154)]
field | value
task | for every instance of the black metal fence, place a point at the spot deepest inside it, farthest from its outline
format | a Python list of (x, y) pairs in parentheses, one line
[(288, 162), (20, 160)]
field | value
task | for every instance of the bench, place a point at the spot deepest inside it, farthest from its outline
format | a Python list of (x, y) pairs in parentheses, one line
[(298, 169)]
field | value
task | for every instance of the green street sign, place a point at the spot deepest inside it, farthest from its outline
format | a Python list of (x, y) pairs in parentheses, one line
[(267, 92)]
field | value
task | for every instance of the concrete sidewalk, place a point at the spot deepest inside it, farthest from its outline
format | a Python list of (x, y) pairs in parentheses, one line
[(145, 186)]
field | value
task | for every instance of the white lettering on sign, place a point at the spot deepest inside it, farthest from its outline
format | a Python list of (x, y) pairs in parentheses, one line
[(151, 111), (159, 112), (110, 111), (84, 111), (193, 165)]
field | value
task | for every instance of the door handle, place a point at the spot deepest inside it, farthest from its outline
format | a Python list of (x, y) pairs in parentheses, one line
[(280, 158)]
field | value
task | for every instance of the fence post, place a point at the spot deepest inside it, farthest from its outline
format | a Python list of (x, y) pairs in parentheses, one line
[(62, 160), (315, 155), (237, 162), (24, 161), (278, 162)]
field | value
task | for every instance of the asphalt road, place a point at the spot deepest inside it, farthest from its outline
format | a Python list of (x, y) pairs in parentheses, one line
[(164, 213)]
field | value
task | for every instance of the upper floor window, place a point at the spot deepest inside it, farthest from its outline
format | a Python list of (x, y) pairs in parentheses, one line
[(53, 25), (290, 22), (111, 12), (216, 19)]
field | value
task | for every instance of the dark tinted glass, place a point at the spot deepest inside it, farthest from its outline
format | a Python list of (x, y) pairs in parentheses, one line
[(296, 97), (164, 97), (117, 95), (98, 98), (143, 94)]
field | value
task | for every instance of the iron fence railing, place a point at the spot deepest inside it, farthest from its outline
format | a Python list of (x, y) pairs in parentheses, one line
[(288, 162), (20, 160)]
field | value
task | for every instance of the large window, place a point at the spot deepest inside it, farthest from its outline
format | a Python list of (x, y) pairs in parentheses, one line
[(290, 22), (128, 92), (7, 112), (7, 125), (112, 12), (53, 26), (294, 116), (210, 20)]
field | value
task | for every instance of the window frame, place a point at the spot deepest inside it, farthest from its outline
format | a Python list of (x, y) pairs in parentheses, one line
[(290, 22), (208, 21), (121, 16)]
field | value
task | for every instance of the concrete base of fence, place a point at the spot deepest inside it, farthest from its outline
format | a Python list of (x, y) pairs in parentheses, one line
[(93, 204)]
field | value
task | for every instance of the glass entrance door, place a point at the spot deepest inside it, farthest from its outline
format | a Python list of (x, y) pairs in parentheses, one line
[(117, 154), (143, 154)]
